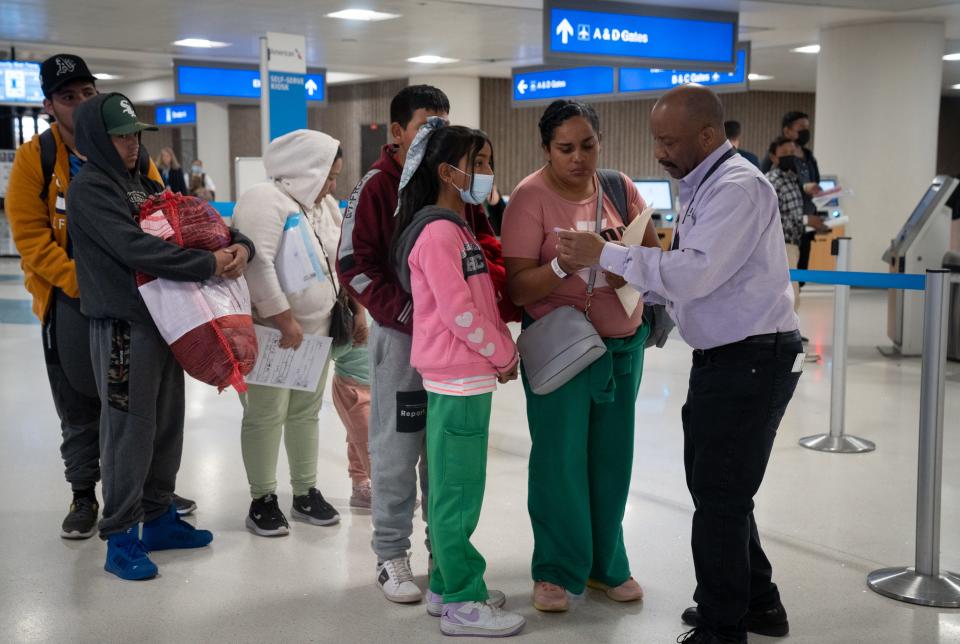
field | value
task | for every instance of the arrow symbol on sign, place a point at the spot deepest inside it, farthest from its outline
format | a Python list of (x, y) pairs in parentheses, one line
[(311, 87), (522, 87), (564, 30)]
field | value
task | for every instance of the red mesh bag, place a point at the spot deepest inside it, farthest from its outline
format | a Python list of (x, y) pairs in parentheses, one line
[(207, 324)]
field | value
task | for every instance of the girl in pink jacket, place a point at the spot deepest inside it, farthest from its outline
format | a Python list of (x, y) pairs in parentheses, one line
[(462, 349)]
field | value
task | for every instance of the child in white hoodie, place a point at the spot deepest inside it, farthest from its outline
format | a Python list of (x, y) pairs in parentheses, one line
[(303, 166)]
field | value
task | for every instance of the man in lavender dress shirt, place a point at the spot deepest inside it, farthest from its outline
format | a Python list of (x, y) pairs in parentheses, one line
[(726, 284)]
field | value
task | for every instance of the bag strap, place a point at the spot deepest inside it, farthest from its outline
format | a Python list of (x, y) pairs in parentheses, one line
[(144, 161), (616, 188), (48, 160), (593, 269), (326, 258)]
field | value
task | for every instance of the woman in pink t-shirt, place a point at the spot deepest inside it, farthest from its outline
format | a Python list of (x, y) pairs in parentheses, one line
[(582, 433)]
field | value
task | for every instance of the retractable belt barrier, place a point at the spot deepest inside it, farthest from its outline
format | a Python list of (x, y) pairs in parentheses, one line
[(923, 583)]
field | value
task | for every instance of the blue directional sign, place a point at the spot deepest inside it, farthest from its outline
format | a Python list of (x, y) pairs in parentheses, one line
[(20, 83), (635, 79), (179, 114), (238, 82), (316, 86), (634, 34), (538, 84)]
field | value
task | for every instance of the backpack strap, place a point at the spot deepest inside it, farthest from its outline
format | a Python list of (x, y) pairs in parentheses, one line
[(615, 188), (144, 161), (48, 161)]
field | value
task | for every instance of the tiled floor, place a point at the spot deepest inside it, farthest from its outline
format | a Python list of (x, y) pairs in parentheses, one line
[(827, 520)]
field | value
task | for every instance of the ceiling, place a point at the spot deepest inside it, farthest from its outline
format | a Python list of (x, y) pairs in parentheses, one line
[(132, 38)]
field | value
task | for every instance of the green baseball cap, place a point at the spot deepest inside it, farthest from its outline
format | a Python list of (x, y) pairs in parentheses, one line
[(120, 118)]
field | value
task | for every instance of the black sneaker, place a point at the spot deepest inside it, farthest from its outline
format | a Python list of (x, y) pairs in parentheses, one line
[(772, 623), (266, 519), (312, 508), (184, 506), (81, 520)]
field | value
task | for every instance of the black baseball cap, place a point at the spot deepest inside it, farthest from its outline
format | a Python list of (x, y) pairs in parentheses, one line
[(57, 71)]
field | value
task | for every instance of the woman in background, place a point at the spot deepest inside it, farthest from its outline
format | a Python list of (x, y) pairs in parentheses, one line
[(170, 170)]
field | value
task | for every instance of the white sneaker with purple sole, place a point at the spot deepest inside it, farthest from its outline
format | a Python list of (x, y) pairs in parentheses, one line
[(475, 619), (435, 601)]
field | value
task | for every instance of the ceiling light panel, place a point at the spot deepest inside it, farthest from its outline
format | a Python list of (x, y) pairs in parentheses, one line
[(432, 60), (363, 15), (200, 43)]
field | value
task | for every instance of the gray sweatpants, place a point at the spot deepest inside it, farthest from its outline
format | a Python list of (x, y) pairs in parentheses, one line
[(141, 421), (398, 422)]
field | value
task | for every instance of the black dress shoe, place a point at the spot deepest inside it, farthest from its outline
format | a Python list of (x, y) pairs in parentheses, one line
[(703, 636), (772, 623)]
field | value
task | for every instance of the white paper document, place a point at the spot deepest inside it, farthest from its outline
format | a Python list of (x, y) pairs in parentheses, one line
[(297, 264), (633, 236), (835, 222), (289, 368), (827, 196)]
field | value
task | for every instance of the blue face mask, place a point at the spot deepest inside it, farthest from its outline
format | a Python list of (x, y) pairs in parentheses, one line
[(482, 187), (197, 169)]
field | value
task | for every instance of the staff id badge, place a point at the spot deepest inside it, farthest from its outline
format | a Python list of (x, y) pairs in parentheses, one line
[(798, 363), (297, 264)]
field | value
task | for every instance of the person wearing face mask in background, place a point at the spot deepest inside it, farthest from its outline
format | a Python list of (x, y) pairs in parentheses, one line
[(200, 183), (783, 177), (795, 126)]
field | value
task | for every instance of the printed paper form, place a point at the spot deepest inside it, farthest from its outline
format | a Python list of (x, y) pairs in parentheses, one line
[(288, 368), (633, 236)]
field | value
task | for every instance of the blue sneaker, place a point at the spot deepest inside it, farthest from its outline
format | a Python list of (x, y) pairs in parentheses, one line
[(127, 557), (170, 532)]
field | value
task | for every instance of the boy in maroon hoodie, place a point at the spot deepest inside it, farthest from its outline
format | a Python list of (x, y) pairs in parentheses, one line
[(398, 400)]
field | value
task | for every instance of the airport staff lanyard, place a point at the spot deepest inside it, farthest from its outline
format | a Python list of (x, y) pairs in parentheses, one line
[(719, 162)]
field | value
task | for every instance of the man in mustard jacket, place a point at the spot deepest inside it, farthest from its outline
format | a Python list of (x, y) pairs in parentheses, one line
[(36, 208)]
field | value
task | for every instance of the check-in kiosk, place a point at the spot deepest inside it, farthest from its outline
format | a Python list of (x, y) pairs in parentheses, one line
[(920, 245), (657, 193), (832, 207)]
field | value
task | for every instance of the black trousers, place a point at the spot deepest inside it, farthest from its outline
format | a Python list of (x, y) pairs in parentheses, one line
[(66, 349), (737, 397)]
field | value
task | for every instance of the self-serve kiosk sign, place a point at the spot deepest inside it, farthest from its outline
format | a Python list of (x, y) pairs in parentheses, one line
[(547, 84), (236, 82), (652, 36)]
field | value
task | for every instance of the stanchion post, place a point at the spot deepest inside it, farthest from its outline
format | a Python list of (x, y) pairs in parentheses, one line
[(836, 440), (924, 584)]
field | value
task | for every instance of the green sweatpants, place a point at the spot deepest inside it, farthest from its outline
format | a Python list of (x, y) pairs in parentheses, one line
[(458, 428), (269, 412), (580, 466)]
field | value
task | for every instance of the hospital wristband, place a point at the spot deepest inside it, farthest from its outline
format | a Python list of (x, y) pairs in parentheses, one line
[(559, 272)]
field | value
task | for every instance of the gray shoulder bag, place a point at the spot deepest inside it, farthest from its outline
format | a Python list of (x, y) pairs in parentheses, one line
[(563, 342)]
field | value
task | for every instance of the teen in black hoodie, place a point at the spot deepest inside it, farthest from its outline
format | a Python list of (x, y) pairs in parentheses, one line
[(139, 382)]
